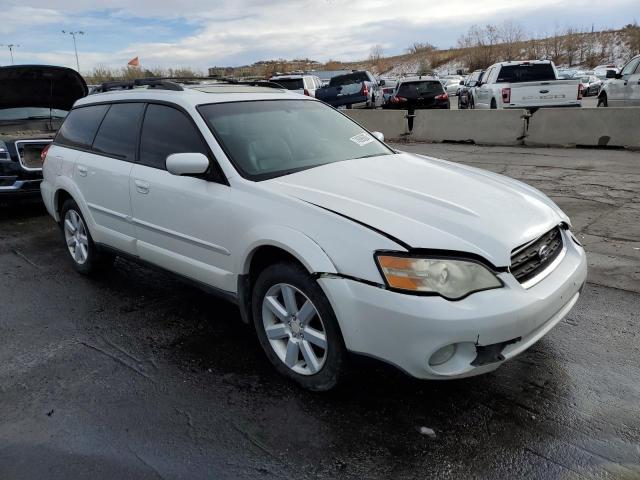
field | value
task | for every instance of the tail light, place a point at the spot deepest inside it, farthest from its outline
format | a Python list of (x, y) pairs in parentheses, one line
[(43, 153), (442, 96), (506, 95), (580, 91), (306, 92), (397, 99), (365, 90)]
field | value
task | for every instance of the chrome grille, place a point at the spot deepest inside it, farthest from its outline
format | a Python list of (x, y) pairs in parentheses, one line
[(530, 259)]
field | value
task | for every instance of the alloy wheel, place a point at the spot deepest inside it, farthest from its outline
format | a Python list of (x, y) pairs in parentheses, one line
[(294, 329), (75, 234)]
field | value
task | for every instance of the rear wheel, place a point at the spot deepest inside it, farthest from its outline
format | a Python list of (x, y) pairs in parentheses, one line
[(83, 252), (297, 328), (602, 100)]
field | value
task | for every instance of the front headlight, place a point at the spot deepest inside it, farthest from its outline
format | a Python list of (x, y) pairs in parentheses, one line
[(450, 278), (4, 153)]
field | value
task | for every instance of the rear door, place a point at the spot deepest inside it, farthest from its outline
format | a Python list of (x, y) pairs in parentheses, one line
[(181, 221), (102, 174)]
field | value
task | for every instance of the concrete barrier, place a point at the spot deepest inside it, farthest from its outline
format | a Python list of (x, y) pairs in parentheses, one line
[(489, 127), (593, 127), (393, 123)]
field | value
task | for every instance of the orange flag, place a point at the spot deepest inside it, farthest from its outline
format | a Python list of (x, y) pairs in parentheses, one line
[(134, 62)]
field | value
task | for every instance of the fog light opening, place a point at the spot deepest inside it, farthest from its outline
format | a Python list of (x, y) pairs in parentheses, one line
[(443, 355)]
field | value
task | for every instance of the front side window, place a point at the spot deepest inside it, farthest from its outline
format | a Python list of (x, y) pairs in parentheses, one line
[(166, 130), (118, 133), (630, 67), (80, 126), (270, 138)]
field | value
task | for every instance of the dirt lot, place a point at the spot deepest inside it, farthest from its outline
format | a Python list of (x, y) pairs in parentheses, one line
[(135, 375)]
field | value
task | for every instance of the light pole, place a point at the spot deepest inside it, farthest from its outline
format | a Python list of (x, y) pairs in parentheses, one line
[(10, 46), (75, 47)]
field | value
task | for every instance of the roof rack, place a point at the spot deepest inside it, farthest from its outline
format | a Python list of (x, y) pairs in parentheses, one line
[(158, 83), (251, 83)]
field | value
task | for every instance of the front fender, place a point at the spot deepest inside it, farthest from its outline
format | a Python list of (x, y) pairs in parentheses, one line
[(302, 247)]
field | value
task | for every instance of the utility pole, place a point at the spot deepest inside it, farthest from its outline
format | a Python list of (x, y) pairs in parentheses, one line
[(10, 46), (75, 47)]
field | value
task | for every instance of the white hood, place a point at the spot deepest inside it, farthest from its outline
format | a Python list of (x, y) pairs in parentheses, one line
[(429, 203)]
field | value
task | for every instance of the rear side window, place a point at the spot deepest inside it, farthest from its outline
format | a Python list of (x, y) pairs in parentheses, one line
[(118, 133), (165, 131), (533, 72), (80, 126), (420, 89)]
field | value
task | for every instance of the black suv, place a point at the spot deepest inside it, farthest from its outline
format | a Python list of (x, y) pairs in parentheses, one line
[(34, 99)]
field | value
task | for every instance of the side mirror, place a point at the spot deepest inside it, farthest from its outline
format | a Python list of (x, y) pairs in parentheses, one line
[(461, 82), (381, 83), (378, 135), (610, 74), (187, 163)]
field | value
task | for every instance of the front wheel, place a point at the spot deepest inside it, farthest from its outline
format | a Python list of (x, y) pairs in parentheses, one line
[(297, 328), (602, 101)]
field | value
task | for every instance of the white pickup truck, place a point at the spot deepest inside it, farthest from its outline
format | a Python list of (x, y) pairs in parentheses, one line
[(526, 84)]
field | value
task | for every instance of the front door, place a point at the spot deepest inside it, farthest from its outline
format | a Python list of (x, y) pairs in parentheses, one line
[(180, 221)]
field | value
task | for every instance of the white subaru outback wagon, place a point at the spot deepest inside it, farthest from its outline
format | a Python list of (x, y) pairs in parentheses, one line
[(328, 240)]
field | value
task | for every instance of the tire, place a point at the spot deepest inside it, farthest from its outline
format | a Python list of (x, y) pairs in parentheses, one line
[(293, 332), (84, 255), (494, 105), (602, 100)]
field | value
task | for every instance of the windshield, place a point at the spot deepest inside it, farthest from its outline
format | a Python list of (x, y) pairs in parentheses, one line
[(31, 113), (532, 72), (289, 83), (270, 138), (420, 89)]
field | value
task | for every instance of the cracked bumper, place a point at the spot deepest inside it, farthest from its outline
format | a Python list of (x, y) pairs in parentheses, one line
[(406, 330)]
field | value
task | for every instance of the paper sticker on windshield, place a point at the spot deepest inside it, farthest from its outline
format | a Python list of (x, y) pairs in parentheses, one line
[(362, 139)]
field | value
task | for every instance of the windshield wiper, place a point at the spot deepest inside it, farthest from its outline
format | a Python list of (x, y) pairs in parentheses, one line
[(41, 117), (370, 155)]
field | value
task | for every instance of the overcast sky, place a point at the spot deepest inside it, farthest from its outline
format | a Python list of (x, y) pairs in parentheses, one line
[(203, 33)]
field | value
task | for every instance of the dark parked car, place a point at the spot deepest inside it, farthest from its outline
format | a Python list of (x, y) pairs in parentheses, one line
[(466, 94), (355, 89), (417, 93), (34, 99)]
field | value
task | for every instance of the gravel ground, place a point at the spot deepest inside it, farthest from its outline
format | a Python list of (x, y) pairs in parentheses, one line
[(136, 375)]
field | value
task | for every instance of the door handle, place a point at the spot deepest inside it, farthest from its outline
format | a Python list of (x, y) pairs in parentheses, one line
[(82, 170), (141, 186)]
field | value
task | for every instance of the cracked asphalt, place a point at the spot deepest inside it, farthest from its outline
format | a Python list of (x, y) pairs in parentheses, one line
[(136, 375)]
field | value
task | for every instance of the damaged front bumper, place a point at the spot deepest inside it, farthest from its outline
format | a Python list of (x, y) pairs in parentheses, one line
[(434, 338)]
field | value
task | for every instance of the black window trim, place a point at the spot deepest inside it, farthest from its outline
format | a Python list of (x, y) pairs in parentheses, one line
[(216, 174)]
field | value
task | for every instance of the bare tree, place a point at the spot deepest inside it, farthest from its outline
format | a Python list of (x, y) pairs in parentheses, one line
[(419, 47), (512, 34), (376, 53)]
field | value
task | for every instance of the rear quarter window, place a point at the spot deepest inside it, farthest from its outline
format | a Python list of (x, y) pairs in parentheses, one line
[(80, 127)]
